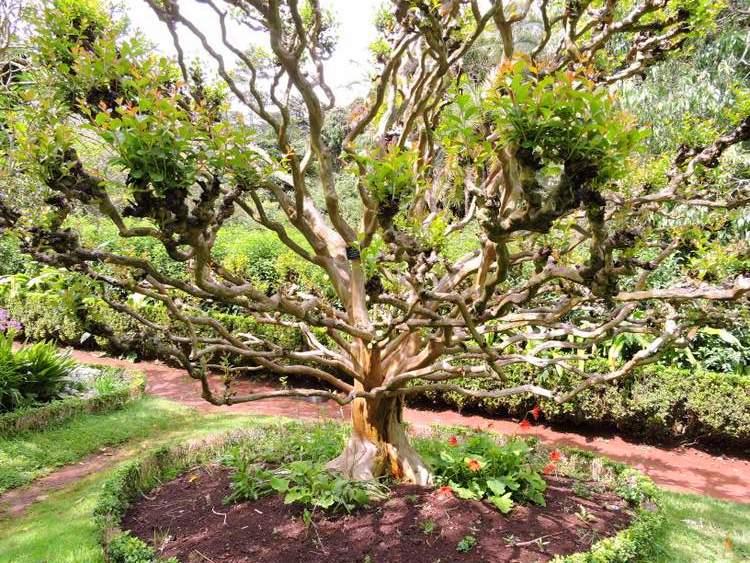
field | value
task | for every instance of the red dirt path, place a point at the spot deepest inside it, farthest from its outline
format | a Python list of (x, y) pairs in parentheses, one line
[(680, 469)]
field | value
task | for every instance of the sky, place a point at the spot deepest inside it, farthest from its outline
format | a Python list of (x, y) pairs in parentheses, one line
[(345, 71)]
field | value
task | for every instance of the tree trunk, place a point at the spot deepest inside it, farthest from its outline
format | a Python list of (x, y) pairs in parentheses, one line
[(379, 445)]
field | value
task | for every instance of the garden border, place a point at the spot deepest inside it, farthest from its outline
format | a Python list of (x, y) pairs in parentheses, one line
[(636, 542), (56, 412), (140, 475)]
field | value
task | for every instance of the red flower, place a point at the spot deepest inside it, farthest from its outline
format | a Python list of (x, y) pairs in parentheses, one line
[(535, 412), (453, 441), (549, 468), (555, 455), (524, 424), (473, 464), (445, 490)]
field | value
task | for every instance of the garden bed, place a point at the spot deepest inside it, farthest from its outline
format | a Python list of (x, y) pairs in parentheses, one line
[(415, 524), (123, 386), (172, 504)]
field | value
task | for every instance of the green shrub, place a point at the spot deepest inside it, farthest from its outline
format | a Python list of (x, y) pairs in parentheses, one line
[(45, 316), (657, 403), (11, 259), (478, 467), (128, 549), (298, 453), (34, 374)]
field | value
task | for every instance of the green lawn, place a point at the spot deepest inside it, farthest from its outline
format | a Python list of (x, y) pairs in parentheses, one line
[(26, 456), (700, 529), (60, 530)]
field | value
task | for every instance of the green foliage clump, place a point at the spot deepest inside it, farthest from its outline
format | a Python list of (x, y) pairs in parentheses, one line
[(45, 304), (562, 118), (466, 544), (478, 467), (298, 441), (33, 374), (301, 482), (391, 176), (128, 549), (11, 259)]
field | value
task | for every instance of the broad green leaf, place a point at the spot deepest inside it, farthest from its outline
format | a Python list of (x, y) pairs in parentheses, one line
[(503, 502)]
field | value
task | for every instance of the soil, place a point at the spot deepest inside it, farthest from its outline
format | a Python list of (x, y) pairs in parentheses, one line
[(186, 518)]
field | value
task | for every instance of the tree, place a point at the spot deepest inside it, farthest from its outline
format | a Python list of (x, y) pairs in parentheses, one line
[(504, 217)]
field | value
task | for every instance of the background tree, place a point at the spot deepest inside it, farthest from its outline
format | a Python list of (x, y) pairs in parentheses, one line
[(503, 216)]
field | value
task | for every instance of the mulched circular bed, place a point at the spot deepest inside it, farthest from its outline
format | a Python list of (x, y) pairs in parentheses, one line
[(187, 519)]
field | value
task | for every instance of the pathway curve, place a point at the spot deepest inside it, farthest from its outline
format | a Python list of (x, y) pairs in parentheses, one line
[(680, 469)]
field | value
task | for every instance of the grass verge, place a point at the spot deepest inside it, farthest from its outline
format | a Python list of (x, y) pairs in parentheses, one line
[(60, 529), (700, 529), (31, 454)]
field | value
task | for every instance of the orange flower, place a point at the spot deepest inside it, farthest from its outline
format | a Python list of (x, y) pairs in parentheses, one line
[(453, 441), (555, 455), (473, 464), (524, 424), (535, 412), (549, 468), (445, 490)]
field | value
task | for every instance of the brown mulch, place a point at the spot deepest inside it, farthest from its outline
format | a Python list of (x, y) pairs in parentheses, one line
[(187, 519)]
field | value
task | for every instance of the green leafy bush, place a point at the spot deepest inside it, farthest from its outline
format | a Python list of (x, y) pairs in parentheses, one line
[(479, 467), (562, 117), (34, 374), (657, 403), (11, 259), (128, 549), (310, 485), (298, 453)]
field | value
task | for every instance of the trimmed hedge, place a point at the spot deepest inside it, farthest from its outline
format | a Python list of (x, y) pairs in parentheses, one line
[(56, 412), (657, 403), (139, 476)]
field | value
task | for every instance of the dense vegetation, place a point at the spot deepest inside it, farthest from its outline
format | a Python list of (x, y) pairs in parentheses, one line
[(31, 375)]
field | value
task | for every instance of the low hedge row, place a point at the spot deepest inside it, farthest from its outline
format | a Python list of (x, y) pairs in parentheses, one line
[(93, 324), (139, 476), (56, 412), (658, 403)]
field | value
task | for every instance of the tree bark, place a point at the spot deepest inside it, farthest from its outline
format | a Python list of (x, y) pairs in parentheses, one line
[(379, 445)]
